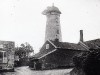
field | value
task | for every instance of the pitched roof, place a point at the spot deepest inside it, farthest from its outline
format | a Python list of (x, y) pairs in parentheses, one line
[(62, 45), (40, 54), (43, 51), (93, 44), (67, 45)]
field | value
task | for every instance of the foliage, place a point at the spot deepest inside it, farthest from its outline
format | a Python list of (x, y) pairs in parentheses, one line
[(89, 62), (22, 54), (23, 50), (92, 63), (78, 60)]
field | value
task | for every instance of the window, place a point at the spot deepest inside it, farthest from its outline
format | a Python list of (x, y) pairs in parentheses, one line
[(47, 46), (1, 46), (57, 31), (5, 54), (3, 58), (1, 54)]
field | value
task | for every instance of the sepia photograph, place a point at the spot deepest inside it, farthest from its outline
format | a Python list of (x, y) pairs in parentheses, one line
[(49, 37)]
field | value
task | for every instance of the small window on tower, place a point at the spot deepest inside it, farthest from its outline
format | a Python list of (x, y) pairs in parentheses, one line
[(56, 20), (47, 46), (57, 31)]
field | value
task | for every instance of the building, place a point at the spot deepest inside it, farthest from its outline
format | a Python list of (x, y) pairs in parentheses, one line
[(91, 44), (6, 55), (58, 54), (55, 53)]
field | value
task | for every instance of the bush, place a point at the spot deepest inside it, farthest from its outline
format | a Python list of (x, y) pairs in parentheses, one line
[(88, 62), (78, 60), (91, 65)]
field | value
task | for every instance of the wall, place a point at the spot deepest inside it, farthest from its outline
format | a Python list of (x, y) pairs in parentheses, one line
[(8, 46), (61, 58)]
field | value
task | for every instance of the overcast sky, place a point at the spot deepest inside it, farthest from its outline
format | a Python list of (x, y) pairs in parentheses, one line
[(21, 20)]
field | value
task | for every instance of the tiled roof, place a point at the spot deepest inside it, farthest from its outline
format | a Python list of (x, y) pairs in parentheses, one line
[(42, 51), (67, 45), (62, 45), (37, 55), (93, 44)]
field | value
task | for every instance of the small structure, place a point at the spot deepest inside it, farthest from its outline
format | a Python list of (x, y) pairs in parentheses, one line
[(92, 44), (89, 45), (34, 64), (7, 55)]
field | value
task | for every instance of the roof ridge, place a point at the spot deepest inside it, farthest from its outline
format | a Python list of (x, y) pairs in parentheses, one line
[(52, 43), (83, 45), (69, 42), (93, 40)]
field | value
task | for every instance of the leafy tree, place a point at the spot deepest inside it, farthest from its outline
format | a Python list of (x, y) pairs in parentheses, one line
[(22, 54), (24, 50)]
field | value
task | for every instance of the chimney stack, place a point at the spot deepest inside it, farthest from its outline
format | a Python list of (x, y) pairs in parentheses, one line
[(81, 35)]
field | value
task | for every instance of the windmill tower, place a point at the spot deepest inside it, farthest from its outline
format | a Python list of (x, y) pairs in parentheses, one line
[(53, 29)]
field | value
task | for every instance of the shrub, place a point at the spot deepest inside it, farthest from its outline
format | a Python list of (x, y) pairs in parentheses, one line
[(89, 62)]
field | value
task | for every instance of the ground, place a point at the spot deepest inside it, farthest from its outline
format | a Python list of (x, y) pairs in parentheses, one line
[(26, 71)]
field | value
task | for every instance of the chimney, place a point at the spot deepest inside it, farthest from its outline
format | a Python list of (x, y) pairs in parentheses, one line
[(81, 35)]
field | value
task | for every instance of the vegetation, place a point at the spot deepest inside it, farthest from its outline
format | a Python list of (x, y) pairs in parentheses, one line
[(22, 54), (89, 62)]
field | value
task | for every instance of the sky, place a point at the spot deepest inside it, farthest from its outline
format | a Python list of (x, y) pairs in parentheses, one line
[(22, 20)]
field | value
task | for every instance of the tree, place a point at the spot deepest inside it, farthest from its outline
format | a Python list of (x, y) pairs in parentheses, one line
[(24, 50), (23, 53)]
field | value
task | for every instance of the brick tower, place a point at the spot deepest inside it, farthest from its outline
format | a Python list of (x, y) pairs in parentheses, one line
[(53, 29)]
